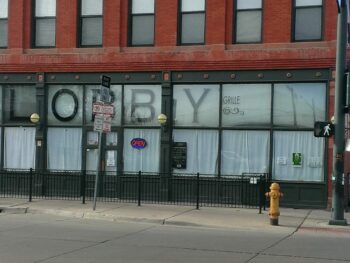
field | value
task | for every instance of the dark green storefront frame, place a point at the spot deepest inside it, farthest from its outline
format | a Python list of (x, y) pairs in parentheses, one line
[(296, 194)]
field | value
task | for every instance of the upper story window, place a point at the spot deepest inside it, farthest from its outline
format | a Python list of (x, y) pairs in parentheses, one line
[(192, 22), (142, 22), (3, 23), (248, 21), (44, 23), (307, 20), (91, 23)]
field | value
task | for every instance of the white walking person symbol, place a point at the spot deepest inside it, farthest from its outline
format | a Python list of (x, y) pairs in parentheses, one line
[(326, 130)]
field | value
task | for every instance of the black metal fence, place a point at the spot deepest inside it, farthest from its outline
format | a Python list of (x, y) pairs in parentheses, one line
[(246, 190)]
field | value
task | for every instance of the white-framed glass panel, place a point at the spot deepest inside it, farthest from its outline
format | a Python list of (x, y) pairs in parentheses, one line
[(145, 159), (111, 162), (142, 22), (3, 23), (196, 105), (65, 105), (45, 8), (112, 139), (245, 152), (91, 31), (193, 28), (308, 20), (142, 7), (142, 104), (20, 103), (3, 33), (308, 2), (299, 104), (19, 148), (202, 151), (91, 7), (45, 32), (298, 156), (142, 30), (45, 23), (91, 96), (91, 161), (64, 146), (92, 138), (246, 104), (91, 22), (192, 22), (3, 9), (248, 26), (250, 4), (192, 5), (248, 21)]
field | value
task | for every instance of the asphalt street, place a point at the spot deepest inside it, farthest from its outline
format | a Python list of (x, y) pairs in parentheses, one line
[(29, 238)]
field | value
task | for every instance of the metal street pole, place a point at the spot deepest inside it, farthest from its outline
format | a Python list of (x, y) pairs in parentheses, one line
[(337, 217)]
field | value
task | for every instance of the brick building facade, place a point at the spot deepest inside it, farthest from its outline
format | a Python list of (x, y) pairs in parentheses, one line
[(223, 71)]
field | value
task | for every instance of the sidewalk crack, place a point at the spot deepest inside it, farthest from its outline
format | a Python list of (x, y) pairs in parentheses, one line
[(261, 252), (178, 214)]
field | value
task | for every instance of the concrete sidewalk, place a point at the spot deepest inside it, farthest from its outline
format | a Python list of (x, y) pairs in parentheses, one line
[(290, 219)]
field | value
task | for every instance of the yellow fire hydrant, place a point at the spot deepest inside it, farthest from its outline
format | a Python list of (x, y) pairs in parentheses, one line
[(275, 196)]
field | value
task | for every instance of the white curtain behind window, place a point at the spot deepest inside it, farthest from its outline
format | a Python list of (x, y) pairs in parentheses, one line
[(311, 149), (64, 148), (144, 160), (19, 148), (244, 152), (202, 150)]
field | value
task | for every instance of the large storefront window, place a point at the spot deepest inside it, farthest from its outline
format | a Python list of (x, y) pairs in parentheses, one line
[(245, 152), (91, 96), (65, 105), (298, 156), (19, 148), (246, 105), (20, 103), (141, 150), (299, 105), (196, 105), (202, 151), (64, 148), (142, 104)]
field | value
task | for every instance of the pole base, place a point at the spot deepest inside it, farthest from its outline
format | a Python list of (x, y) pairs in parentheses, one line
[(335, 222), (274, 221)]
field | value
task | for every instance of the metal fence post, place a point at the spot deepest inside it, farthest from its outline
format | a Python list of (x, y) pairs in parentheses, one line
[(139, 189), (261, 193), (197, 202), (83, 185), (30, 184)]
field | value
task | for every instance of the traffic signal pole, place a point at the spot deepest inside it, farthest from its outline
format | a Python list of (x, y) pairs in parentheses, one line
[(337, 216)]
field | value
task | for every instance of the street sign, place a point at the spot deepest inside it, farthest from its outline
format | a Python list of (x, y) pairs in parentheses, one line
[(99, 108), (323, 129), (104, 95), (106, 81), (105, 89), (102, 123)]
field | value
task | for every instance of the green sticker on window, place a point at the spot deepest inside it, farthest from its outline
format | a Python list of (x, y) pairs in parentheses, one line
[(297, 159)]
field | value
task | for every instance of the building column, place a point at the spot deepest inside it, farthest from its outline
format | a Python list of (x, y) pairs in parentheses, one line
[(166, 135), (40, 127)]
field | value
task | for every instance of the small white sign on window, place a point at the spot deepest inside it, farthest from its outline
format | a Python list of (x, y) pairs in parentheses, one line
[(110, 159), (282, 160)]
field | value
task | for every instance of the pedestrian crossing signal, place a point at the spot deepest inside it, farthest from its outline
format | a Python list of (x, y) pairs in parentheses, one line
[(323, 129)]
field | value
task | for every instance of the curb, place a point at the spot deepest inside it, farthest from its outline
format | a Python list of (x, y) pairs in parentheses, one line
[(13, 210)]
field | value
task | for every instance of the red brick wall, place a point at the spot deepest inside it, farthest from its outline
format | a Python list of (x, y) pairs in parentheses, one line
[(218, 53), (66, 24)]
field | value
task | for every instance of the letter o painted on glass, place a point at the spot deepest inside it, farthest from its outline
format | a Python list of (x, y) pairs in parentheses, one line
[(53, 104)]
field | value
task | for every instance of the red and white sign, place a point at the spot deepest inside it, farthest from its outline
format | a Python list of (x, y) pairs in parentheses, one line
[(99, 108), (102, 123)]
